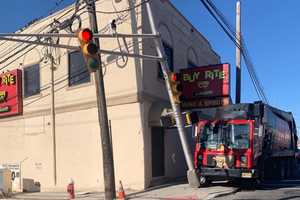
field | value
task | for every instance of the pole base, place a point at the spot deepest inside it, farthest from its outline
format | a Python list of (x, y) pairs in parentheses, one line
[(193, 178)]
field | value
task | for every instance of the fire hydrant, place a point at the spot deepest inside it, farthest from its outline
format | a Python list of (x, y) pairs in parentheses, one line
[(71, 190)]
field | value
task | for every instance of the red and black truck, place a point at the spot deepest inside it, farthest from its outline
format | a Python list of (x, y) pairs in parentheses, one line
[(244, 141), (248, 141)]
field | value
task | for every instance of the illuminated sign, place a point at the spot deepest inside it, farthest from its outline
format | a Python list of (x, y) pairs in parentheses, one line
[(11, 102), (208, 81), (206, 103), (205, 86)]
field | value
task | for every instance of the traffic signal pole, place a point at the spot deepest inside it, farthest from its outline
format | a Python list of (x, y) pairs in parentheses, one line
[(191, 173), (107, 153)]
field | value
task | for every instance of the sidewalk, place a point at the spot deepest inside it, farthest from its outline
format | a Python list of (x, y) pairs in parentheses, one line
[(184, 192), (179, 191)]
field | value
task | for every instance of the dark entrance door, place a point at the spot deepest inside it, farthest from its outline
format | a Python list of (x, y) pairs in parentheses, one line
[(158, 151)]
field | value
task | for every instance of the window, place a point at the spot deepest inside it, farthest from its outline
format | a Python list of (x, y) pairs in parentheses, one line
[(78, 72), (31, 80), (239, 136), (234, 136), (169, 54)]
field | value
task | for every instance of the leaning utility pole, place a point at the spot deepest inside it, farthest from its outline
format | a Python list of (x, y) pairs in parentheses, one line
[(238, 53), (107, 152), (191, 173)]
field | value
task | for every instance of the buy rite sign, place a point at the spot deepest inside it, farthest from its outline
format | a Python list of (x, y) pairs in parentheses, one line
[(206, 86), (11, 102)]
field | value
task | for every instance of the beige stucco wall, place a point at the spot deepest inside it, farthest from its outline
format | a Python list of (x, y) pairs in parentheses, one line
[(78, 148), (135, 97), (188, 45)]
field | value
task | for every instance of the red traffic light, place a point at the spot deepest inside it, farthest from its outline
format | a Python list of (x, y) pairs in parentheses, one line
[(85, 35), (89, 49), (174, 77)]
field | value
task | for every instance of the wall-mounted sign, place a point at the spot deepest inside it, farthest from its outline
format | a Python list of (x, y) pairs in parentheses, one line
[(206, 86), (206, 103), (208, 81), (11, 101)]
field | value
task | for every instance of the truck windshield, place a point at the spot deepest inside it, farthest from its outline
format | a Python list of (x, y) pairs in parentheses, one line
[(235, 136)]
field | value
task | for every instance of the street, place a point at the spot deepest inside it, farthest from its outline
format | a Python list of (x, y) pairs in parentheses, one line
[(270, 190), (275, 190)]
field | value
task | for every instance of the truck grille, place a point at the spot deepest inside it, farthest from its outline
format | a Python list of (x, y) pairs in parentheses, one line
[(211, 162), (220, 161)]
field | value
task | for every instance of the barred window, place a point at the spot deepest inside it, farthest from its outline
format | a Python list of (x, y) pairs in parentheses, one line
[(78, 72), (32, 80)]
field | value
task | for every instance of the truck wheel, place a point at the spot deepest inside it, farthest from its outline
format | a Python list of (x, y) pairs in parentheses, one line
[(204, 181)]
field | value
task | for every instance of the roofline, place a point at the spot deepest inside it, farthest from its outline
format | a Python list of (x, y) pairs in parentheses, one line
[(41, 19), (171, 4)]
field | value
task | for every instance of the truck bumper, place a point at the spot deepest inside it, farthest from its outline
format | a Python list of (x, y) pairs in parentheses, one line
[(228, 173)]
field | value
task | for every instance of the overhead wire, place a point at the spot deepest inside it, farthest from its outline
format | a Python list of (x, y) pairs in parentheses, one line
[(43, 28), (28, 38), (230, 32), (57, 81), (244, 52), (39, 21)]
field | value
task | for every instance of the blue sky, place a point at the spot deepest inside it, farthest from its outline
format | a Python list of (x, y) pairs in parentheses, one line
[(271, 30)]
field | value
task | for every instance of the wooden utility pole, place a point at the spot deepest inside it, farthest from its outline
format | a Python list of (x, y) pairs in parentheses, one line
[(238, 53), (52, 94), (107, 151)]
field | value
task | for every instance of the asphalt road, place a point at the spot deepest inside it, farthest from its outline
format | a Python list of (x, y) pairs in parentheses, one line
[(271, 190)]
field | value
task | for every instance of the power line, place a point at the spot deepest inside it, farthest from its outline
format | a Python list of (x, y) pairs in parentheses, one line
[(229, 30), (245, 53), (77, 9)]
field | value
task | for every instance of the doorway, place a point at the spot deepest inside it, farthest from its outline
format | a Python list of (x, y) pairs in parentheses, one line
[(158, 151)]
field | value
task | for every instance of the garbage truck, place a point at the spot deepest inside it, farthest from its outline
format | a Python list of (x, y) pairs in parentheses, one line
[(243, 142)]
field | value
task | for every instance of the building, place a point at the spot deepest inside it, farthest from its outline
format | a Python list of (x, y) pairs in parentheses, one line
[(144, 153)]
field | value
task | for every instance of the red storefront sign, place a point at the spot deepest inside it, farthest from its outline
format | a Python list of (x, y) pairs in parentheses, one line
[(208, 81), (11, 101), (205, 86)]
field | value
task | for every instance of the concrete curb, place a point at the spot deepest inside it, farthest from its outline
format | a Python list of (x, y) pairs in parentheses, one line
[(221, 194)]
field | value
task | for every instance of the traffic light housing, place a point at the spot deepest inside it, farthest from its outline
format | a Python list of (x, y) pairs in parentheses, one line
[(89, 49), (190, 118), (176, 87)]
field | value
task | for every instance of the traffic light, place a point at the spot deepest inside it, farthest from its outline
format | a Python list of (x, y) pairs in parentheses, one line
[(176, 87), (89, 49), (190, 118)]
